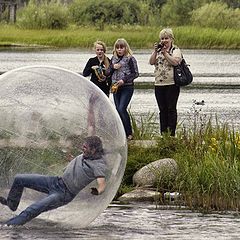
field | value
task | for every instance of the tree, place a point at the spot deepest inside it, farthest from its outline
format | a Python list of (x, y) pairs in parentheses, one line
[(217, 15), (231, 3), (100, 12), (177, 12)]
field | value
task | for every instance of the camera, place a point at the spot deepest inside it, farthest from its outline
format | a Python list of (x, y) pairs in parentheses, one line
[(160, 46)]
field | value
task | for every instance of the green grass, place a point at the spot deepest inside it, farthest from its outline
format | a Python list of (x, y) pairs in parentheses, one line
[(208, 38), (208, 158), (137, 36)]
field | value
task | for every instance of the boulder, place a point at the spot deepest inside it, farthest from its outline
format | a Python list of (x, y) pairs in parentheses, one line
[(161, 171), (144, 143), (139, 195)]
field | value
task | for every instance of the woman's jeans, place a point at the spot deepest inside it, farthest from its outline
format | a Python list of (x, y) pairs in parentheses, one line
[(167, 97), (121, 100), (58, 195)]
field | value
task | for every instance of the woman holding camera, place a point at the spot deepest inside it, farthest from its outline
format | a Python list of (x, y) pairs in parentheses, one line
[(166, 55)]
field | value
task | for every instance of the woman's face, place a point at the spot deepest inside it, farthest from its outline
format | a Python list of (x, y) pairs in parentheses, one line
[(120, 50), (167, 41), (99, 50)]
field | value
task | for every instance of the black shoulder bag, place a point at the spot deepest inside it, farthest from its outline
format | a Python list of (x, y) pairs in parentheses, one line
[(182, 74)]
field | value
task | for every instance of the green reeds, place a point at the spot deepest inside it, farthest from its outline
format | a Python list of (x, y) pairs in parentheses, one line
[(145, 126), (137, 36), (208, 157)]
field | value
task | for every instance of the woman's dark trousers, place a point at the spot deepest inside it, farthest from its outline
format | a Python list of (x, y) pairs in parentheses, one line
[(167, 97)]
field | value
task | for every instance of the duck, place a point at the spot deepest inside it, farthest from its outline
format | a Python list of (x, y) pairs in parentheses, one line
[(200, 103)]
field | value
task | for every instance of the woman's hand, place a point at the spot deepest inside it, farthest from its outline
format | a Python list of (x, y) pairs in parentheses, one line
[(153, 57), (164, 50), (117, 66), (95, 67), (156, 47), (174, 61), (120, 83)]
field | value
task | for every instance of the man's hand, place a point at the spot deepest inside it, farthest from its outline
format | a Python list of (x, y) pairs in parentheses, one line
[(94, 191)]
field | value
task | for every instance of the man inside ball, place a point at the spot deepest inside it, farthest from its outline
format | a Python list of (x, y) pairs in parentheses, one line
[(81, 171)]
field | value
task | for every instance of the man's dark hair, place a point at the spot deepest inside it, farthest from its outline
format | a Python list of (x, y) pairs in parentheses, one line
[(95, 142)]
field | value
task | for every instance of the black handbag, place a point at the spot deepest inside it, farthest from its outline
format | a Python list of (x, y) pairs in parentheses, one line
[(182, 74)]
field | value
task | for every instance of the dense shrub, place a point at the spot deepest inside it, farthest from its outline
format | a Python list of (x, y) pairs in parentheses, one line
[(105, 12), (41, 14), (232, 3), (177, 12), (216, 15), (4, 16), (208, 158)]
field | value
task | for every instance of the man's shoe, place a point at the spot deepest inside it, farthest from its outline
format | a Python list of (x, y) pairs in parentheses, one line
[(8, 203), (3, 201), (11, 204)]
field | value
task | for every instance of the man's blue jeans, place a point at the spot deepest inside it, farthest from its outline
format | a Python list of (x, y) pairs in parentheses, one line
[(58, 195), (121, 100)]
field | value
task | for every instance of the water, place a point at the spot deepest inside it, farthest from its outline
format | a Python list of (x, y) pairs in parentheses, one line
[(215, 67), (144, 221), (136, 222), (223, 103)]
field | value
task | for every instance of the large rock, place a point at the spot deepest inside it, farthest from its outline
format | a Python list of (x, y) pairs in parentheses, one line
[(144, 143), (159, 172), (140, 195)]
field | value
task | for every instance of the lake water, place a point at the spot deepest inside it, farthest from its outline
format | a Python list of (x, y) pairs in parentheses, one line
[(216, 78), (134, 222), (210, 68)]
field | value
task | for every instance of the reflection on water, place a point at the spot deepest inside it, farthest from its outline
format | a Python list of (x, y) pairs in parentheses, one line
[(136, 222)]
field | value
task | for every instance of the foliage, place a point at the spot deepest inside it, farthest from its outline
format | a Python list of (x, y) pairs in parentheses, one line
[(105, 12), (83, 37), (15, 160), (138, 156), (145, 127), (216, 15), (232, 3), (43, 15), (208, 158), (4, 16), (177, 12), (55, 15), (155, 4), (207, 13), (197, 37)]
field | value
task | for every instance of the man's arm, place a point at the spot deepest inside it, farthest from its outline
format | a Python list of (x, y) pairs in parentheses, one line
[(101, 186), (91, 116)]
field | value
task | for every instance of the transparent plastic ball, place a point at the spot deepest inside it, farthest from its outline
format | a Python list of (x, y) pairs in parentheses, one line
[(43, 121)]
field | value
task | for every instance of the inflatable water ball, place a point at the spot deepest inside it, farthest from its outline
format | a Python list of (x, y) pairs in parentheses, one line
[(43, 121)]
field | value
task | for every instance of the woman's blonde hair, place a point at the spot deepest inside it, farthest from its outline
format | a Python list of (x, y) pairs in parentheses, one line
[(122, 43), (166, 32), (99, 43), (106, 61)]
